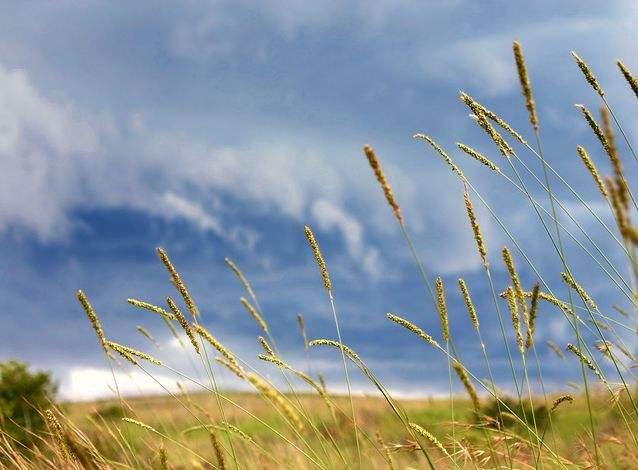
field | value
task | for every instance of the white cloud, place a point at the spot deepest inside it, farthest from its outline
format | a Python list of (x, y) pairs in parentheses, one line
[(330, 216), (43, 147), (57, 160), (179, 207), (88, 383)]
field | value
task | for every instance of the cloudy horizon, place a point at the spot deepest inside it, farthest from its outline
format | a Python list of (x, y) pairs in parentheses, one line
[(219, 129)]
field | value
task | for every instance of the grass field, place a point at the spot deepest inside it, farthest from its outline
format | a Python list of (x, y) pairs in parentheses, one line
[(99, 419)]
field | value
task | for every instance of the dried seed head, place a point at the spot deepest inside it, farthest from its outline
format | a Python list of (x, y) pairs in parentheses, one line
[(533, 311), (516, 320), (571, 282), (442, 308), (302, 375), (526, 85), (430, 437), (471, 310), (271, 358), (178, 282), (219, 452), (127, 352), (633, 81), (482, 114), (589, 75), (605, 348), (151, 308), (622, 216), (179, 316), (589, 164), (240, 275), (129, 357), (231, 367), (594, 126), (276, 397), (554, 347), (516, 283), (561, 399), (302, 328), (478, 156), (386, 451), (586, 361), (476, 228), (325, 275), (265, 346), (441, 152), (336, 344), (477, 108), (234, 429), (413, 328), (141, 425), (614, 157), (58, 435), (546, 297), (254, 313), (467, 383), (163, 458), (143, 331), (383, 181), (93, 318), (204, 333)]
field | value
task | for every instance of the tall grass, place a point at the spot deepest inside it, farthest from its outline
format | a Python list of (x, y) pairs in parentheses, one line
[(528, 423)]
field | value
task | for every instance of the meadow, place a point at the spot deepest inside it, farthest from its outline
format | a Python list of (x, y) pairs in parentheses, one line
[(304, 424)]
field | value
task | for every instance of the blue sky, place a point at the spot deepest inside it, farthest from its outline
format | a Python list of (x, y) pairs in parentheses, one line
[(220, 128)]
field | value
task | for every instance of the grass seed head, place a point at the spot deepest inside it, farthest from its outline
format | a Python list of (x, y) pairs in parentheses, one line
[(219, 451), (469, 304), (151, 308), (383, 181), (442, 153), (526, 85), (408, 325), (598, 132), (589, 164), (516, 319), (533, 312), (467, 383), (336, 344), (265, 346), (571, 282), (561, 399), (325, 275), (442, 308), (614, 157), (589, 75), (179, 316), (223, 350), (430, 437), (516, 282), (478, 156), (58, 435), (476, 228), (178, 282), (277, 398), (254, 313), (586, 361), (633, 81), (240, 275), (94, 319), (127, 352), (141, 425)]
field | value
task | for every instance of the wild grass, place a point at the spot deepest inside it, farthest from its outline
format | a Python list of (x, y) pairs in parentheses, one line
[(303, 424)]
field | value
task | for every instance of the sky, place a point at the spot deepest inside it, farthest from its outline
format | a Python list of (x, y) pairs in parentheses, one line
[(219, 129)]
